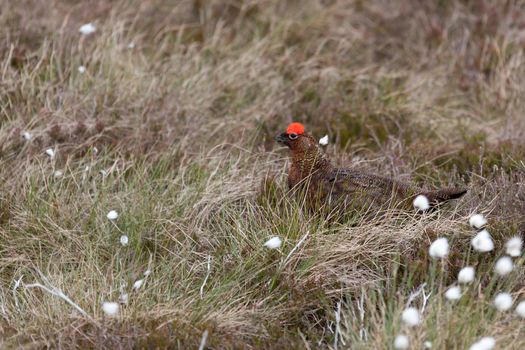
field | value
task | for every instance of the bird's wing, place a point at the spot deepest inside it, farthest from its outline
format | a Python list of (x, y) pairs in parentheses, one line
[(350, 182)]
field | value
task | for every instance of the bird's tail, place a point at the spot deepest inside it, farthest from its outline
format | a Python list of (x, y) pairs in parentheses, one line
[(437, 197)]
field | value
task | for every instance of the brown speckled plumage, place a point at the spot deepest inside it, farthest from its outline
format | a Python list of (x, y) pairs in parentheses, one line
[(313, 171)]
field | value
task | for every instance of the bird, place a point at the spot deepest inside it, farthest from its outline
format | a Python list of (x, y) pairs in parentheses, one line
[(312, 171)]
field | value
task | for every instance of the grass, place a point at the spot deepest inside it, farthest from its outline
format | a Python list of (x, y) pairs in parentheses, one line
[(176, 134)]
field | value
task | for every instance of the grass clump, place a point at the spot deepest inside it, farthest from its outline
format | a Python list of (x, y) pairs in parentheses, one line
[(171, 125)]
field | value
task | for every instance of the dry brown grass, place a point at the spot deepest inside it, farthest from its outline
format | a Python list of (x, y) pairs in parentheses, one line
[(183, 126)]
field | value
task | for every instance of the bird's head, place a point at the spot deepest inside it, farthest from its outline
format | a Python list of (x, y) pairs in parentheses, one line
[(296, 138)]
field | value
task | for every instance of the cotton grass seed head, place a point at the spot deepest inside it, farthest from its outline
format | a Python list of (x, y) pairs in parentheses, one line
[(421, 203), (57, 174), (514, 246), (87, 29), (503, 266), (27, 136), (110, 308), (401, 342), (410, 317), (477, 221), (520, 309), (273, 243), (50, 152), (439, 248), (427, 345), (466, 275), (138, 284), (323, 141), (503, 301), (453, 293), (485, 343), (124, 240), (124, 298), (482, 242), (147, 273), (112, 215)]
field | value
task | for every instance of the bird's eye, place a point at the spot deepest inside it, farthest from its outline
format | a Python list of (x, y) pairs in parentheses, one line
[(292, 136)]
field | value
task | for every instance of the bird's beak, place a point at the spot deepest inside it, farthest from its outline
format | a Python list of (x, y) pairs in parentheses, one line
[(282, 138)]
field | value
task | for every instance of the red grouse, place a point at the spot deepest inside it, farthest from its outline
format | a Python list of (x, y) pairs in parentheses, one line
[(322, 182)]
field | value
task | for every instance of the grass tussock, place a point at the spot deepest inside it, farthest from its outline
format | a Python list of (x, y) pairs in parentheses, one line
[(171, 125)]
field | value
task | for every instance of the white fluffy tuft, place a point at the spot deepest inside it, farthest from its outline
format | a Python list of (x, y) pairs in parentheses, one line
[(477, 221), (482, 242), (514, 246), (401, 342), (453, 293), (466, 275), (124, 240), (503, 301), (520, 309), (323, 141), (421, 203), (110, 308), (439, 248), (87, 29), (138, 284), (410, 317), (50, 152), (112, 215), (485, 343), (503, 266), (273, 243)]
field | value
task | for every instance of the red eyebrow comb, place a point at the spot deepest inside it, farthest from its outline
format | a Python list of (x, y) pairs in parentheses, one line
[(295, 128)]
